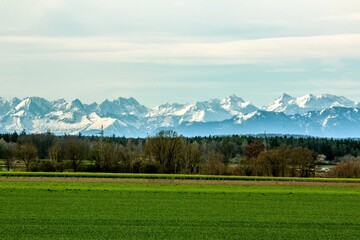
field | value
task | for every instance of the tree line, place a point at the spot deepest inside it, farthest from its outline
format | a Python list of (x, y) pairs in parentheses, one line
[(168, 152)]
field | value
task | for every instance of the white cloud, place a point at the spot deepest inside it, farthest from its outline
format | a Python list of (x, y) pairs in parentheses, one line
[(258, 51), (226, 18), (60, 43), (288, 70)]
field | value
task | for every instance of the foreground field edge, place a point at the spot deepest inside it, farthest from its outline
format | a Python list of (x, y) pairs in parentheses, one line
[(172, 176)]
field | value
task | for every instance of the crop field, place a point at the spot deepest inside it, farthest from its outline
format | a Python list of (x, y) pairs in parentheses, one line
[(172, 176), (95, 209)]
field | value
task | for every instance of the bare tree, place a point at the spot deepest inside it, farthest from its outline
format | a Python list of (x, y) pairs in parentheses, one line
[(213, 164), (304, 161), (191, 160), (7, 152), (167, 148), (56, 155), (104, 155), (27, 152), (76, 150), (275, 161)]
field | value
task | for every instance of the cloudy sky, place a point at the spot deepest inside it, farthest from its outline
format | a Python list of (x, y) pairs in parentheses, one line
[(179, 50)]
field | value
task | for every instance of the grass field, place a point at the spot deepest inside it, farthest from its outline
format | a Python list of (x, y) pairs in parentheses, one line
[(172, 176), (41, 209)]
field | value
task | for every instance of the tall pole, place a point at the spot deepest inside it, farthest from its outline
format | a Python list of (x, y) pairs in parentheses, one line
[(265, 143), (101, 145)]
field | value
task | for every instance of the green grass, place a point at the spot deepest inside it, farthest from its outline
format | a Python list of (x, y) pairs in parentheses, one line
[(74, 210), (172, 176)]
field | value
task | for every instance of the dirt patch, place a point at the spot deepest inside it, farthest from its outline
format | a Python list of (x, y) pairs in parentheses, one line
[(175, 181)]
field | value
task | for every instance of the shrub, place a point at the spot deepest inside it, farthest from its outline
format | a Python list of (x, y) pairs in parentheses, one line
[(237, 170), (213, 167), (150, 167), (347, 169)]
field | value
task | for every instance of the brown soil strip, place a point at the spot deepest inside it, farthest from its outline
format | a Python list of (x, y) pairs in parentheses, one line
[(175, 181)]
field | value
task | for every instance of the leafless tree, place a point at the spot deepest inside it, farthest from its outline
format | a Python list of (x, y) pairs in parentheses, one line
[(76, 150), (167, 148), (27, 152), (56, 155)]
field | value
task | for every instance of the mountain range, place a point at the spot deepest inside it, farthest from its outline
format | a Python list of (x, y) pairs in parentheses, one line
[(323, 115)]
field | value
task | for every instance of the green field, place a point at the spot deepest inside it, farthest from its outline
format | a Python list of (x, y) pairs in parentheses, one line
[(172, 176), (95, 210)]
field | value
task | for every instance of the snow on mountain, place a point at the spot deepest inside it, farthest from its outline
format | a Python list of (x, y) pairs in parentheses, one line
[(87, 125), (324, 115), (257, 122), (38, 115), (14, 102), (337, 122), (75, 106), (306, 103), (23, 113), (280, 104), (311, 102), (121, 106), (207, 111), (33, 106), (73, 112), (113, 127), (3, 101), (333, 122), (236, 105), (4, 106), (168, 115), (261, 122), (168, 109), (214, 110), (126, 110), (59, 104)]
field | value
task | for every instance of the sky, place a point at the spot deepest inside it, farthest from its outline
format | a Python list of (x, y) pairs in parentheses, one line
[(179, 50)]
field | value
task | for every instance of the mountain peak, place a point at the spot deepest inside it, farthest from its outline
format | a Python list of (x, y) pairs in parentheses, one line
[(14, 101), (130, 100), (34, 105), (285, 96), (234, 96), (3, 100), (279, 104), (308, 102), (76, 102), (75, 105), (121, 106)]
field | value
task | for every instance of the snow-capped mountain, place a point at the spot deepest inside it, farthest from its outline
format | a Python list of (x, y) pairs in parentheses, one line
[(336, 121), (309, 102), (258, 122), (4, 106), (324, 115), (236, 105), (33, 107), (207, 111), (121, 106), (214, 110)]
